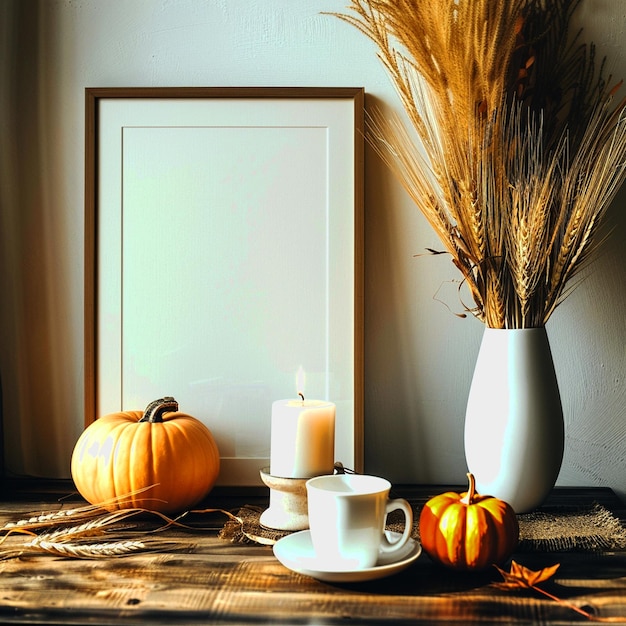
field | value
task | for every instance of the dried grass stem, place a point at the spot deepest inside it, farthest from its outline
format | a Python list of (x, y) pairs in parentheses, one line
[(514, 148)]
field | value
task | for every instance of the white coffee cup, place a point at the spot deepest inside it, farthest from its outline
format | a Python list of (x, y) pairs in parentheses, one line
[(347, 516)]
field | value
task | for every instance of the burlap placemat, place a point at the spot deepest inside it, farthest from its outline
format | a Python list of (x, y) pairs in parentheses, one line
[(592, 529), (588, 529)]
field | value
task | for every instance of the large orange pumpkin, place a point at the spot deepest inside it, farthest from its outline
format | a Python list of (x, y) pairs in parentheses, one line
[(167, 461), (468, 531)]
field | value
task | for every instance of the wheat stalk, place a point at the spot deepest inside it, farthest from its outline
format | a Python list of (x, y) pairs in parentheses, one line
[(68, 544), (55, 518), (67, 516), (513, 151), (68, 530), (95, 526), (88, 551)]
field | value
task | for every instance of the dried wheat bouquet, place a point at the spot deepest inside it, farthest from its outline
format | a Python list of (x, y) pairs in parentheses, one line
[(514, 149)]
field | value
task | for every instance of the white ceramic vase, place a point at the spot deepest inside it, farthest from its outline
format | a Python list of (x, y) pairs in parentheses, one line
[(514, 433)]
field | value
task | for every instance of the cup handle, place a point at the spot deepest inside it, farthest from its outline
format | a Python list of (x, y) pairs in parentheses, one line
[(393, 505)]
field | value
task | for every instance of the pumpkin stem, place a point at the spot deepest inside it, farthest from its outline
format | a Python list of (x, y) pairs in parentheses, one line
[(155, 410), (471, 491)]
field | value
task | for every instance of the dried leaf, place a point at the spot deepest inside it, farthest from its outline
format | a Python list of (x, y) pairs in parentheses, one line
[(521, 577)]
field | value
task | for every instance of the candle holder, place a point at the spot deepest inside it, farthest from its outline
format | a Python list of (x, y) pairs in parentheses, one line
[(288, 508)]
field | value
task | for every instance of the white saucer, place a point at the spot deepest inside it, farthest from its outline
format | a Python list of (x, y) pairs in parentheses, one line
[(295, 551)]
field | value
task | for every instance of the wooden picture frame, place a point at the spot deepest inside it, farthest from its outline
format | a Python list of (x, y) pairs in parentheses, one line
[(223, 250)]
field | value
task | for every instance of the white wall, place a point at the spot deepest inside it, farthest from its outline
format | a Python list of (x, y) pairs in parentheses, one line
[(419, 356)]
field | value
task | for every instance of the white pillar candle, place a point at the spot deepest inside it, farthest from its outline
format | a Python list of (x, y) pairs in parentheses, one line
[(302, 438)]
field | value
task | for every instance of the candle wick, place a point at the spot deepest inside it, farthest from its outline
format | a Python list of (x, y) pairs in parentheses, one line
[(301, 395)]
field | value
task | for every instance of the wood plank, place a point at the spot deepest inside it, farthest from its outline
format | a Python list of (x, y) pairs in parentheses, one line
[(229, 586), (220, 582)]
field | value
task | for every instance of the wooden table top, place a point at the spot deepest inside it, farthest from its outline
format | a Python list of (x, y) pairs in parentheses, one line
[(218, 582)]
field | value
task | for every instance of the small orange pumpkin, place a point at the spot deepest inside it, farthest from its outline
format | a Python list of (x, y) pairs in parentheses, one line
[(468, 531), (160, 460)]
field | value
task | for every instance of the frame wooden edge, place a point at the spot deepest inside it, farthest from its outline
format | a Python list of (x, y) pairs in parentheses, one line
[(90, 256), (359, 274), (92, 97)]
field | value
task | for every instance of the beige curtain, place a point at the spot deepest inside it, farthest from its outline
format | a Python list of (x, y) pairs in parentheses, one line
[(33, 340)]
